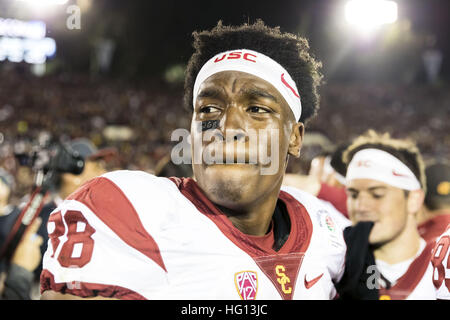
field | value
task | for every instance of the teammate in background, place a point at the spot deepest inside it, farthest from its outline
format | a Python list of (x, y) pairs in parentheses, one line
[(441, 265), (386, 185), (230, 233), (326, 179), (435, 213)]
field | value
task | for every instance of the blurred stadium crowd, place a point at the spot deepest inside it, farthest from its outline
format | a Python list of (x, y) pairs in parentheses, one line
[(139, 118)]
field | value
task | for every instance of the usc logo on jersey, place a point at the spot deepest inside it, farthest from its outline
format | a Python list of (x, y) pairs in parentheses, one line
[(283, 279)]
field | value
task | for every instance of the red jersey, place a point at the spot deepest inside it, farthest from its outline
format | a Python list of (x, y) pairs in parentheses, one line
[(336, 196)]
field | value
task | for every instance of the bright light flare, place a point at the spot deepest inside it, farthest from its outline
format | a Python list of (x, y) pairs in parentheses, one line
[(39, 3), (367, 15), (41, 8)]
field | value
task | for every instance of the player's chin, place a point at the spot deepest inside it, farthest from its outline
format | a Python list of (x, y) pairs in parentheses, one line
[(379, 234), (364, 217)]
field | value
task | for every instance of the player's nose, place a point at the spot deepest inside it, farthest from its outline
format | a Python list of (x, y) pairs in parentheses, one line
[(233, 126), (362, 206)]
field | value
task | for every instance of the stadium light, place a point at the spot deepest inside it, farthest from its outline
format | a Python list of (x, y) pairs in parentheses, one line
[(41, 9), (368, 15), (38, 3), (17, 28)]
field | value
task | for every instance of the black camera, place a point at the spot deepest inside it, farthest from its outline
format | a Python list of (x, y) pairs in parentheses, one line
[(53, 157)]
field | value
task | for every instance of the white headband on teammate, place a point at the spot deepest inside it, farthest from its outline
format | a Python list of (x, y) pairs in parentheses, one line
[(382, 166), (255, 63)]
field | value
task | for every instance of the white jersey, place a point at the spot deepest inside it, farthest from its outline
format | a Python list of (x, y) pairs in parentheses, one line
[(441, 265), (131, 235), (411, 280), (341, 220)]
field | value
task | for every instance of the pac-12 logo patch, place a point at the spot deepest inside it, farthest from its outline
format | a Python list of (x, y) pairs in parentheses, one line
[(246, 284)]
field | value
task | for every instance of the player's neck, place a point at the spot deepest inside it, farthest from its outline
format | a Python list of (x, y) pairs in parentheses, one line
[(255, 219), (403, 247)]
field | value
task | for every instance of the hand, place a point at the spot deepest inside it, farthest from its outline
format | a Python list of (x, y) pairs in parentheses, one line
[(28, 252)]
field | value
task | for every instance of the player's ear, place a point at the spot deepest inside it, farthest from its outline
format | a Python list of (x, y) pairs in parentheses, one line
[(296, 139), (414, 201)]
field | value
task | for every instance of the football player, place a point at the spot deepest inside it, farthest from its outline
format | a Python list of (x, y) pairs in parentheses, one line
[(386, 186), (441, 266), (230, 233)]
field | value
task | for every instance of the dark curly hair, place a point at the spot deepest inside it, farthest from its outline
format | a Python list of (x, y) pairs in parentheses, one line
[(290, 51)]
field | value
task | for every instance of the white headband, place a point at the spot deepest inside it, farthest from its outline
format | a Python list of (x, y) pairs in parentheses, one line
[(380, 165), (257, 64)]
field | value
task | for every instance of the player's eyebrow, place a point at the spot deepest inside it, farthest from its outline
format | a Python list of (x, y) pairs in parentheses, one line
[(374, 188), (211, 92), (257, 93), (377, 188), (352, 190)]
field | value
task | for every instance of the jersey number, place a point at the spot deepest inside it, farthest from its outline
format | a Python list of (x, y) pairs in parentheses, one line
[(441, 250), (77, 250)]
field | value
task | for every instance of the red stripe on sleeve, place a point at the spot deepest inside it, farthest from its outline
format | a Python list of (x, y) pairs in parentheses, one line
[(110, 205), (87, 290)]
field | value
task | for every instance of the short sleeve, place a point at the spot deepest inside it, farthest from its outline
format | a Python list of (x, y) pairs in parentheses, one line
[(98, 246)]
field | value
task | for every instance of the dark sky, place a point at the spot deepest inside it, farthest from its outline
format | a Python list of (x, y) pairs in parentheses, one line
[(151, 35), (163, 29)]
